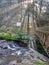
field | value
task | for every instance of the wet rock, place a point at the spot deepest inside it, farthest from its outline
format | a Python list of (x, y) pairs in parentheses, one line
[(11, 58), (23, 44), (20, 52), (26, 61), (1, 41), (5, 51), (3, 45), (18, 56)]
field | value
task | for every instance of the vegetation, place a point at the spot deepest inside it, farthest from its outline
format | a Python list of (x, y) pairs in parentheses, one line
[(20, 36), (39, 63), (40, 48), (23, 37), (7, 36)]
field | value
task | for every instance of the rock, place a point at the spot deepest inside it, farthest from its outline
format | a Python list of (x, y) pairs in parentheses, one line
[(26, 62), (14, 62), (1, 41), (19, 60)]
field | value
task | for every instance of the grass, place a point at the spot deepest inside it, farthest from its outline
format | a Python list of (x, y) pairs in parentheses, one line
[(39, 63)]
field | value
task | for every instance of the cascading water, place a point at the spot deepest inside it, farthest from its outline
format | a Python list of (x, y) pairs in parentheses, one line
[(11, 51), (10, 47)]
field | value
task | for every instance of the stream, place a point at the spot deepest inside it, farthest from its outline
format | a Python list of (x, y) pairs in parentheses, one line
[(11, 53), (10, 50)]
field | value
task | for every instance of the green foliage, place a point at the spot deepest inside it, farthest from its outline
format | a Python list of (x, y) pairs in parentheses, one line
[(20, 36), (23, 37), (25, 41), (13, 37), (21, 33)]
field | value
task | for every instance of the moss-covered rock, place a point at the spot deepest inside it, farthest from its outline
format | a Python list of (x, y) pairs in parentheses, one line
[(20, 36), (39, 63)]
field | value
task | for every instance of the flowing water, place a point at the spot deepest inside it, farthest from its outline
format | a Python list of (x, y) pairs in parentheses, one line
[(11, 53), (10, 50)]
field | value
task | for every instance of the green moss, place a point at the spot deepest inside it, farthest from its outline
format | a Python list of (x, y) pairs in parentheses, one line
[(20, 36), (17, 37), (7, 36), (39, 63)]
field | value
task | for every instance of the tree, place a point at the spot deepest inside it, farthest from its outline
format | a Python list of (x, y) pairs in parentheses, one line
[(41, 3)]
